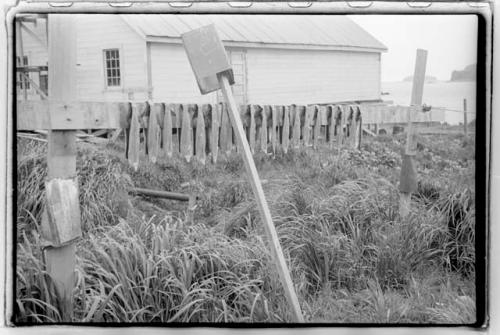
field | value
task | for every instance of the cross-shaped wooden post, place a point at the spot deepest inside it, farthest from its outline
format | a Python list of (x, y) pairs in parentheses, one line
[(408, 179), (213, 71), (61, 115)]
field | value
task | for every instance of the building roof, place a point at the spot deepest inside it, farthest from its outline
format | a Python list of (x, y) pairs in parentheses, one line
[(336, 32)]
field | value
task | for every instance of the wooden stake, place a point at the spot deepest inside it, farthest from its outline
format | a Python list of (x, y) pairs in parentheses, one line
[(261, 200), (465, 117), (408, 173), (61, 160)]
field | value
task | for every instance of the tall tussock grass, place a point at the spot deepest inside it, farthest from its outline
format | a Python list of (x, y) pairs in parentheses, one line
[(102, 183), (351, 256), (140, 271)]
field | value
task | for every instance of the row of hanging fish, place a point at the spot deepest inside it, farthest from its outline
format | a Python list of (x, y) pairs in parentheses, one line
[(205, 130)]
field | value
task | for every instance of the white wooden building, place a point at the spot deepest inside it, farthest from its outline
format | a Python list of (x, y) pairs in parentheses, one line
[(276, 59)]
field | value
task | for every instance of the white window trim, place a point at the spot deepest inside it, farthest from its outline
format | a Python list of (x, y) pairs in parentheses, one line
[(104, 72)]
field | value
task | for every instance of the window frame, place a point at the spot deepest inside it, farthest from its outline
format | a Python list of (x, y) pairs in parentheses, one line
[(105, 69), (23, 83)]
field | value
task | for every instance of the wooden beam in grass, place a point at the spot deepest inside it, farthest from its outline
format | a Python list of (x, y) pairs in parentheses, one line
[(408, 178), (208, 58)]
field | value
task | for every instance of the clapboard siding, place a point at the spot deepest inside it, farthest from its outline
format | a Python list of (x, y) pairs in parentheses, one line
[(96, 33), (278, 76), (172, 77)]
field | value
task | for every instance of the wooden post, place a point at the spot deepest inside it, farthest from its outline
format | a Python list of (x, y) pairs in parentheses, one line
[(261, 199), (61, 160), (408, 178), (213, 71), (465, 117)]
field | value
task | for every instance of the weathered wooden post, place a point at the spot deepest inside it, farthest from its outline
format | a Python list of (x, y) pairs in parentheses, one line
[(408, 178), (61, 219), (465, 117), (213, 71)]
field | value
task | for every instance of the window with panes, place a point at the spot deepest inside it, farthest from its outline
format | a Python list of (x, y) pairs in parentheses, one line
[(112, 67), (22, 81)]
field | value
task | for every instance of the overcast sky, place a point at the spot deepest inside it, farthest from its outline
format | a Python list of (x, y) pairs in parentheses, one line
[(450, 40)]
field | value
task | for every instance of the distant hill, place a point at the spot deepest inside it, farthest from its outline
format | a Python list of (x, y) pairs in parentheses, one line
[(428, 79), (467, 74)]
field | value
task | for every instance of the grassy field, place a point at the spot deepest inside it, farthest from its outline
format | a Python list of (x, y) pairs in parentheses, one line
[(351, 257)]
